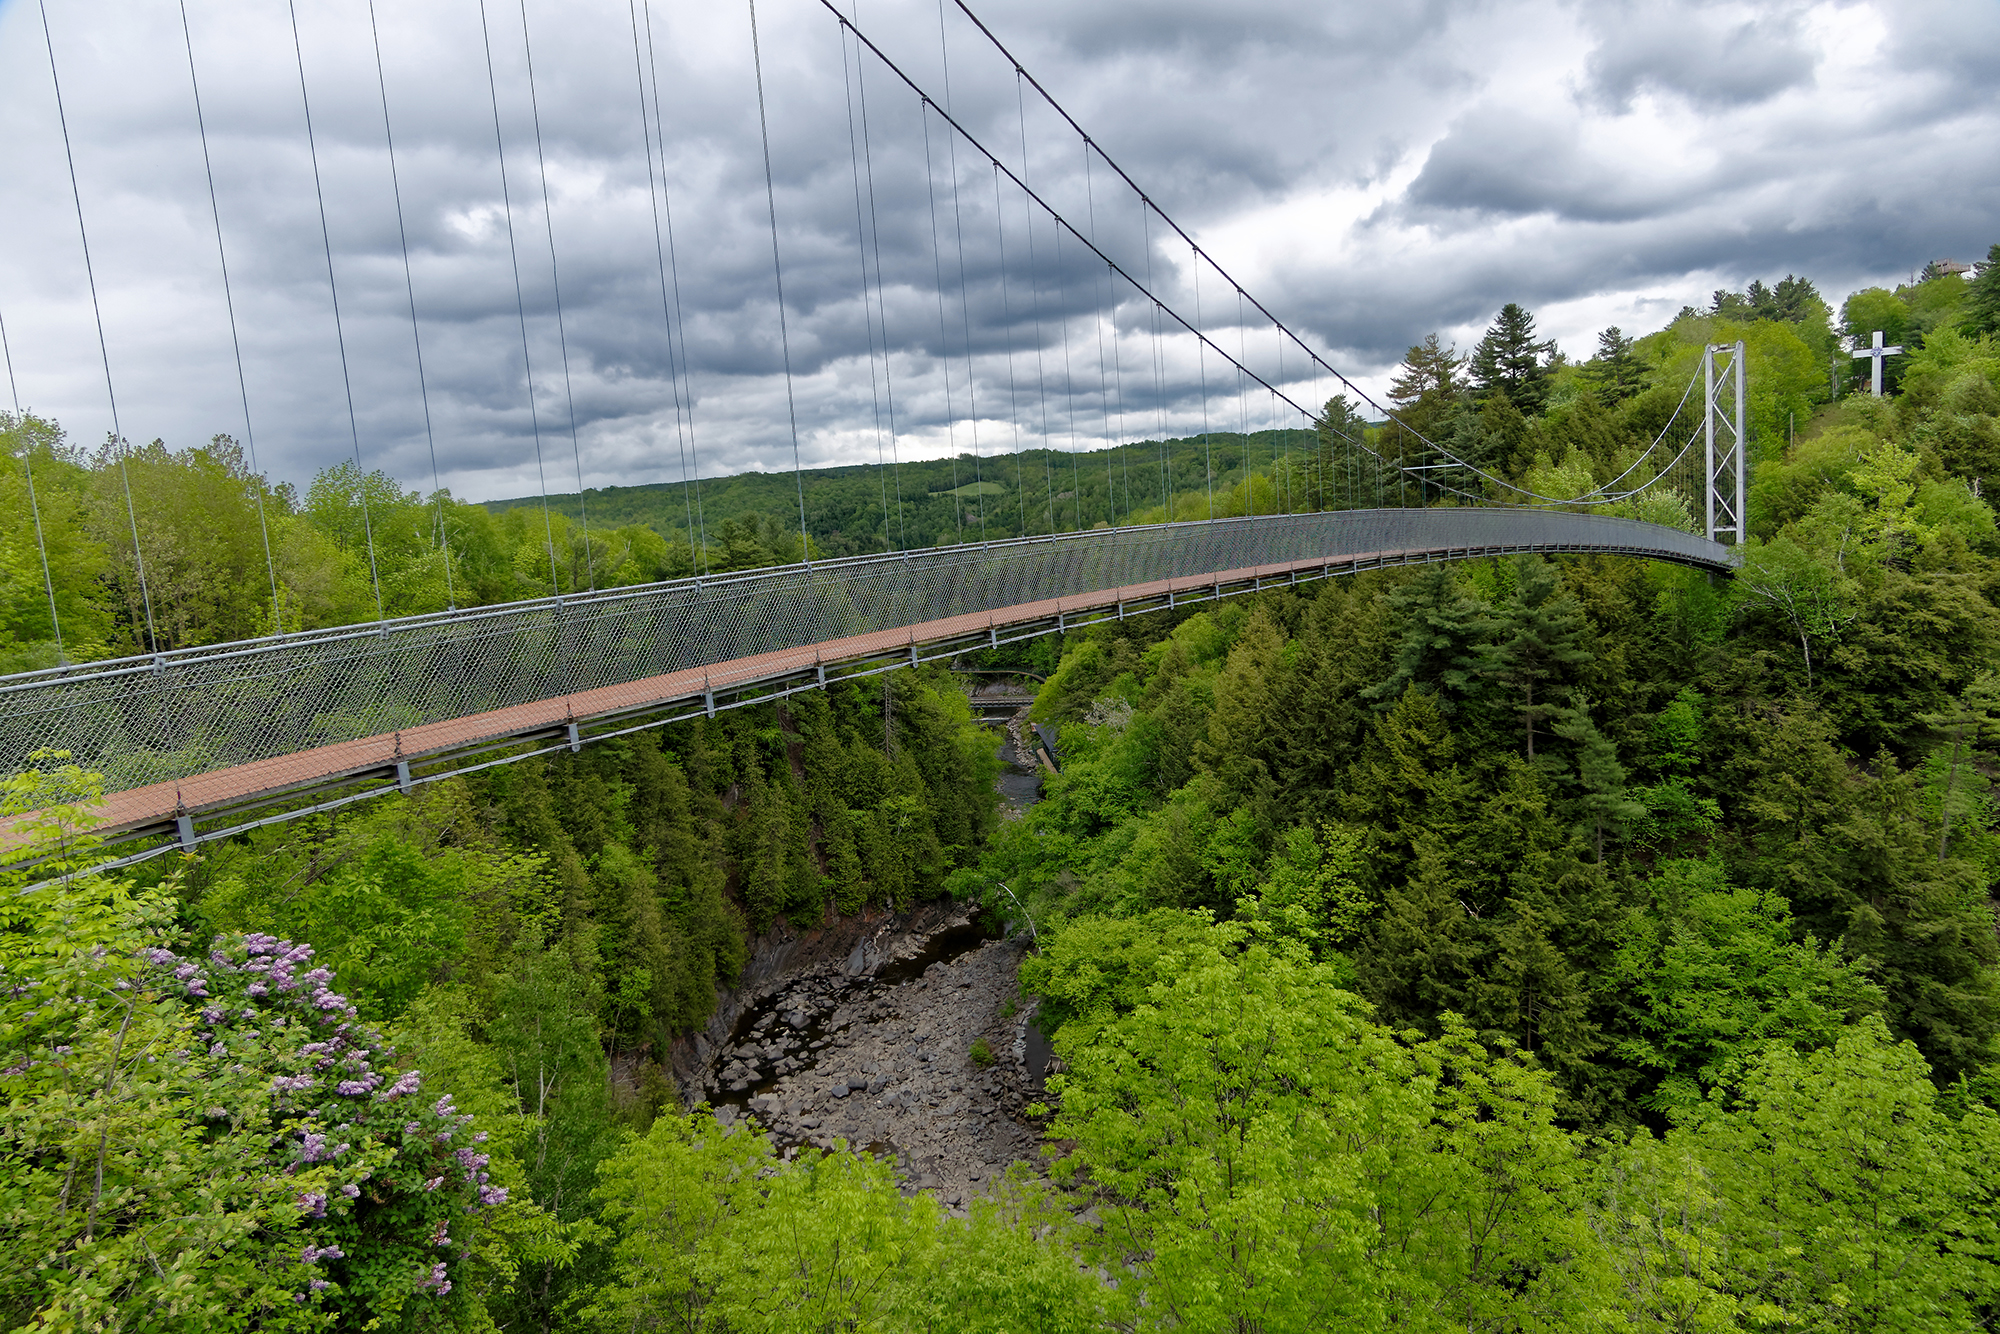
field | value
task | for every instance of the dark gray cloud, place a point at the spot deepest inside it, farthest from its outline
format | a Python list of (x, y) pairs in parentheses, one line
[(1709, 54), (1373, 172)]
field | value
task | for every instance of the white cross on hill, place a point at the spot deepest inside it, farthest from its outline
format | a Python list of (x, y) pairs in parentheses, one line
[(1876, 352)]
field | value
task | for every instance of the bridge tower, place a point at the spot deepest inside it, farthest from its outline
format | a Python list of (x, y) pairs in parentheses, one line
[(1723, 442)]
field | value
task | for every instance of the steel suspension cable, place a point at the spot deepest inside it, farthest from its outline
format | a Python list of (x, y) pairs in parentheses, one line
[(1069, 382), (410, 292), (867, 319), (34, 505), (964, 297), (660, 259), (778, 274), (339, 329), (235, 341), (680, 315), (1243, 410), (520, 303), (1035, 308), (103, 347), (1007, 322), (555, 282), (1201, 363), (881, 304), (1159, 367), (1056, 217), (944, 347), (1104, 399)]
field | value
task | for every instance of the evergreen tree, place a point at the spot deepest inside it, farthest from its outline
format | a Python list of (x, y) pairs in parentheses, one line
[(1979, 314), (1440, 628), (1510, 359), (1616, 371), (1542, 639), (1425, 390)]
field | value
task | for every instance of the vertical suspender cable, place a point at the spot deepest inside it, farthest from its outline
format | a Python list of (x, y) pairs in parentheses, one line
[(964, 299), (867, 316), (1035, 302), (1243, 409), (1201, 361), (339, 331), (103, 347), (778, 275), (1069, 381), (1007, 322), (555, 281), (699, 532), (235, 342), (520, 305), (1159, 362), (1104, 399), (1118, 379), (881, 306), (410, 291), (34, 506), (944, 349)]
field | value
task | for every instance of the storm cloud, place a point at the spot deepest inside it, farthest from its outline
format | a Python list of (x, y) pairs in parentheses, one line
[(1370, 172)]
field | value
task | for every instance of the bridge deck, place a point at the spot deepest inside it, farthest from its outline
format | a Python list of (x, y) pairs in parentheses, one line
[(427, 751)]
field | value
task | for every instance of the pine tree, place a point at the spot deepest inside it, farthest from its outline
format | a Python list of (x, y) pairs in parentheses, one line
[(1980, 312), (1616, 371), (1440, 627), (1426, 389), (1244, 724), (1509, 359), (1543, 638)]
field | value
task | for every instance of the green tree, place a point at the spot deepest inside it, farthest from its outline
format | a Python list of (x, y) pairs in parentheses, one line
[(1510, 359), (1541, 640), (1616, 372), (1980, 313)]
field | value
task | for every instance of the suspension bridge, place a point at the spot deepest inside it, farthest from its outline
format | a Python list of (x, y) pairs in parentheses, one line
[(201, 743)]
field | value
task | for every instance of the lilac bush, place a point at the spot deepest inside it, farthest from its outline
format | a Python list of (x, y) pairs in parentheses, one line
[(390, 1184)]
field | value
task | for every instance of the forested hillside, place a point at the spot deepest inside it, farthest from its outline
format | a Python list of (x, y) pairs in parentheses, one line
[(229, 555), (1577, 944)]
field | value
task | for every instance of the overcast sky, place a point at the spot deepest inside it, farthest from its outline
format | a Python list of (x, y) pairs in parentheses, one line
[(1371, 172)]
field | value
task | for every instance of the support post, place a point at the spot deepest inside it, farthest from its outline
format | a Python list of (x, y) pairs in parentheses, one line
[(1725, 439), (184, 827), (1708, 442), (403, 776), (575, 738)]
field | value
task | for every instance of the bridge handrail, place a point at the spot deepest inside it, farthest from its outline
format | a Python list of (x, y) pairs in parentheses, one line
[(143, 721)]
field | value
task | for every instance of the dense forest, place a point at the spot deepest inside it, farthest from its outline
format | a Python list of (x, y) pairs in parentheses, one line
[(1530, 944)]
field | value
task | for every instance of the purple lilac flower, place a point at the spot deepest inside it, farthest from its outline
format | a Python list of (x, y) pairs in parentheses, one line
[(433, 1183), (313, 1146), (186, 972), (161, 958), (313, 1204), (259, 990), (314, 1254), (471, 1160), (317, 1284), (351, 1191), (443, 1106), (411, 1127), (408, 1082), (492, 1195), (437, 1282)]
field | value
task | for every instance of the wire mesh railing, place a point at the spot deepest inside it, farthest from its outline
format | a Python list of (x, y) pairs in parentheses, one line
[(178, 714)]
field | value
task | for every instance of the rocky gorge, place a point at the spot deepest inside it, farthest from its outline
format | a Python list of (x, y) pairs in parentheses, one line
[(915, 1044)]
